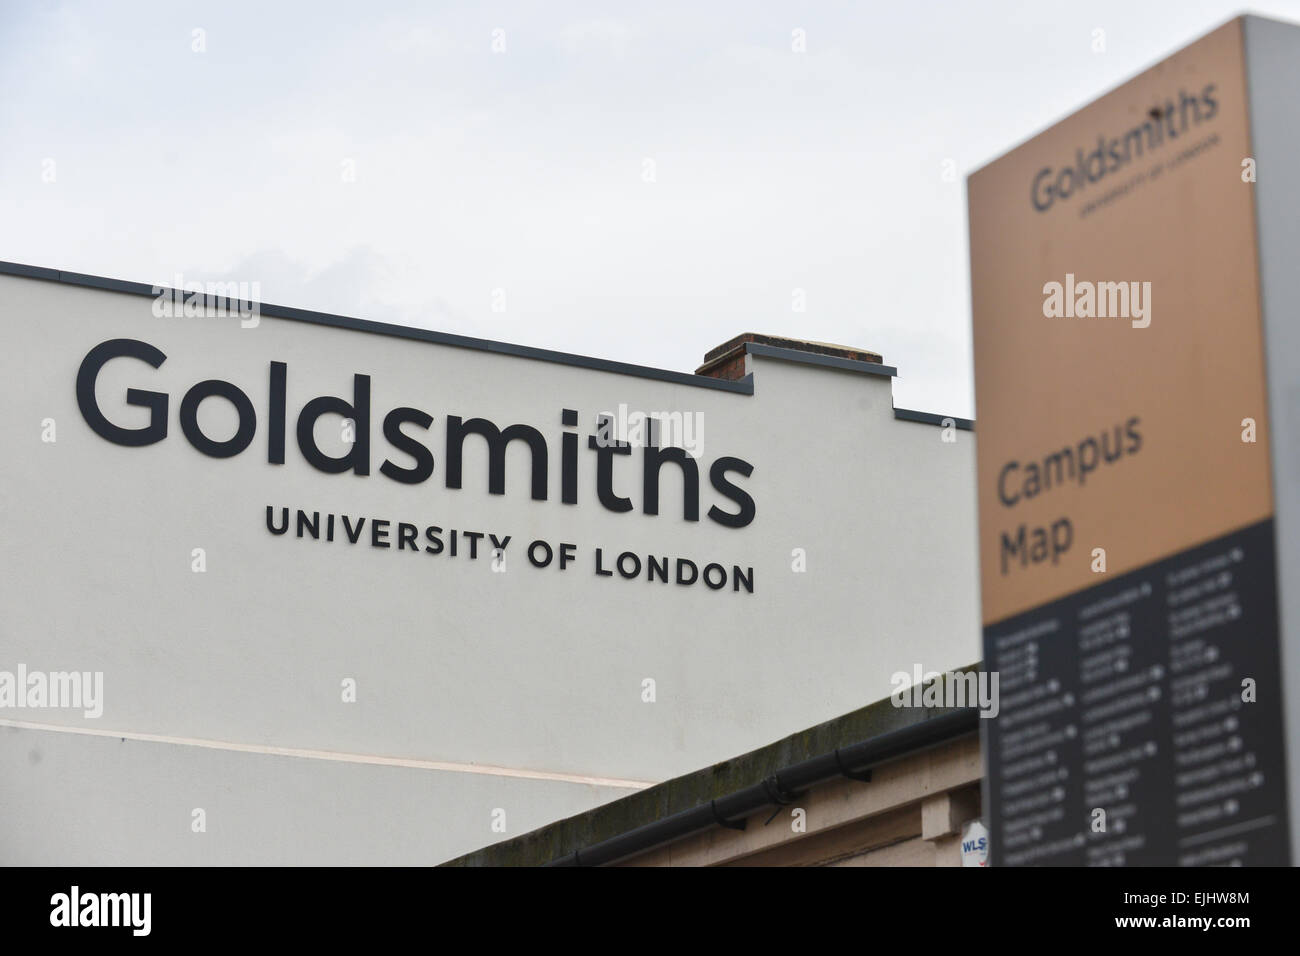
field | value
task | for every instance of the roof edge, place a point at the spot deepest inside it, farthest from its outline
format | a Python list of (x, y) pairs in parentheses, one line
[(825, 361), (932, 418), (562, 838), (744, 386)]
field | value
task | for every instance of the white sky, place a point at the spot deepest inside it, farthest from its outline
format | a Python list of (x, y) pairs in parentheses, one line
[(523, 170)]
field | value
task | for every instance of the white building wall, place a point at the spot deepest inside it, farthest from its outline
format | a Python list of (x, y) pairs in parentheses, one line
[(535, 671)]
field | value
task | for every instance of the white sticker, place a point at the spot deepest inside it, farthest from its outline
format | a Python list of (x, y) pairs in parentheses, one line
[(974, 844)]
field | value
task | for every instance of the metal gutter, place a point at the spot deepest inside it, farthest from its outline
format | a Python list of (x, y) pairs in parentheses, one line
[(854, 761)]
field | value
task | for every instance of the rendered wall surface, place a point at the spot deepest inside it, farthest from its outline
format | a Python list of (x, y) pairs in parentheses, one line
[(519, 690)]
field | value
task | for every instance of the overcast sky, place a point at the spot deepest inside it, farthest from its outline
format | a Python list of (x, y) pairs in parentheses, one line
[(639, 181)]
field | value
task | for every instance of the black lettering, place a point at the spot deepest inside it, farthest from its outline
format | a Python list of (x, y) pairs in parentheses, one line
[(1135, 439), (276, 414), (653, 461), (312, 526), (406, 535), (545, 547), (474, 537), (244, 431), (605, 452), (739, 577), (636, 565), (358, 459), (1087, 462), (270, 520), (684, 563), (1002, 493), (1011, 549), (156, 402), (421, 455), (353, 536), (717, 477), (1035, 193), (569, 459), (1056, 461), (497, 441)]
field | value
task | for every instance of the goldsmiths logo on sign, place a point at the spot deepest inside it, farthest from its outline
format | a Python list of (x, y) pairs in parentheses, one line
[(415, 463), (1165, 123)]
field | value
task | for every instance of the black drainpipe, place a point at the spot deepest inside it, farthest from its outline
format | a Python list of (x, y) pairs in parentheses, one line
[(780, 788)]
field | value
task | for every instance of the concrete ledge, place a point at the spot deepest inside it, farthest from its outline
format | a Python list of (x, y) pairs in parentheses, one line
[(563, 837)]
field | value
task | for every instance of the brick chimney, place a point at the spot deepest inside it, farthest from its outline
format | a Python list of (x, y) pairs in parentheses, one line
[(727, 361)]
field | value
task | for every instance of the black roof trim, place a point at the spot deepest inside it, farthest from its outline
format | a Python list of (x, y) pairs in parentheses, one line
[(826, 361), (930, 418), (731, 808), (851, 742), (744, 386)]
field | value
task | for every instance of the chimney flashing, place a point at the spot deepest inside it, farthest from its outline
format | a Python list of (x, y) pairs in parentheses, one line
[(727, 361)]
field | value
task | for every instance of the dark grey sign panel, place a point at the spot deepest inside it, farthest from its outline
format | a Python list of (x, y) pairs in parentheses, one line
[(1141, 719)]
